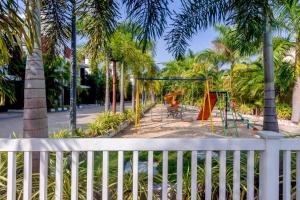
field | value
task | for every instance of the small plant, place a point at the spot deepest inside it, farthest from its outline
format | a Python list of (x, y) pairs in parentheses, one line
[(284, 111), (108, 121), (65, 133), (245, 109)]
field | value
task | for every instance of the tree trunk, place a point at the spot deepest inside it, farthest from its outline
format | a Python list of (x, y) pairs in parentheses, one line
[(296, 89), (152, 95), (122, 88), (107, 101), (35, 107), (114, 100), (270, 117), (133, 94), (73, 72)]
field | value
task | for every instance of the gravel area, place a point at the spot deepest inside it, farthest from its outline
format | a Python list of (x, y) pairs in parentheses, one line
[(156, 124)]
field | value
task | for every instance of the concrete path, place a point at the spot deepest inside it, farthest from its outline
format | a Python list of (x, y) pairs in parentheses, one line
[(12, 122)]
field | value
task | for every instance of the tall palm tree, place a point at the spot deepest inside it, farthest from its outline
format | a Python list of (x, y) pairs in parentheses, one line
[(46, 17), (35, 107), (35, 123), (289, 18), (122, 106), (253, 20), (73, 77), (98, 22), (114, 89), (107, 72)]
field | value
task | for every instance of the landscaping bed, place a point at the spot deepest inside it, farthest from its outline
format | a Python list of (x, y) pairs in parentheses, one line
[(107, 124)]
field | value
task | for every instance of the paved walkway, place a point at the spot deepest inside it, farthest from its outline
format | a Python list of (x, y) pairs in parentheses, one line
[(12, 122), (156, 124)]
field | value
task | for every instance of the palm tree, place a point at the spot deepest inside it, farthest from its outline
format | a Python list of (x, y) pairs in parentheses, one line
[(73, 77), (290, 20), (114, 89), (107, 72), (122, 106), (252, 19), (35, 107), (35, 123), (98, 23)]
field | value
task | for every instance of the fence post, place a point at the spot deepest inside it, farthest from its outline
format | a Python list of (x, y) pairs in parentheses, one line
[(269, 166)]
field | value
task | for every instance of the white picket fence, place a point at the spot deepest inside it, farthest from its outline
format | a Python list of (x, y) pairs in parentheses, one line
[(269, 146)]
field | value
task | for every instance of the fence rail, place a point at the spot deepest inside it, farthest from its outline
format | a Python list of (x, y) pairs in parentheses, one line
[(269, 147)]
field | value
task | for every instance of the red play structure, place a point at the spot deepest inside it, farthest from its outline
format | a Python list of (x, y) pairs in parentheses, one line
[(207, 109)]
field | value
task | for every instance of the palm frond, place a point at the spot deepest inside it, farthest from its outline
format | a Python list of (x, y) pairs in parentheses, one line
[(16, 23), (97, 21), (56, 24), (194, 15), (150, 15)]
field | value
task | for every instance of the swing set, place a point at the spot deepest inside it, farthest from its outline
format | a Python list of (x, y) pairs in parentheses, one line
[(225, 105)]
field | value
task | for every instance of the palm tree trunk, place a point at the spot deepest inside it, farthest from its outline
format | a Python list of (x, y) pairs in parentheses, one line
[(122, 89), (107, 84), (114, 100), (73, 72), (152, 95), (296, 89), (133, 94), (35, 108), (270, 116)]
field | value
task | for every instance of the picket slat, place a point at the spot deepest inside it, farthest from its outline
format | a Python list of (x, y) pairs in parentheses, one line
[(222, 176), (135, 171), (236, 175), (90, 176), (179, 175), (286, 175), (11, 176), (150, 175), (105, 177), (74, 175), (250, 175), (59, 176), (208, 175), (120, 174), (194, 176), (43, 175), (165, 176), (27, 175)]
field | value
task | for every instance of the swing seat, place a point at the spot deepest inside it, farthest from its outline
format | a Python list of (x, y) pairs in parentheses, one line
[(174, 111)]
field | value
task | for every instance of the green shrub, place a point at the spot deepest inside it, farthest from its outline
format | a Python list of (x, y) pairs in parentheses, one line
[(103, 124), (108, 121), (284, 111), (65, 133)]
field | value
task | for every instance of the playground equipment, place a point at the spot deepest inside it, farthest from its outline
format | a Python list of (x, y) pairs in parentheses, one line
[(168, 98), (174, 108), (226, 107), (227, 110)]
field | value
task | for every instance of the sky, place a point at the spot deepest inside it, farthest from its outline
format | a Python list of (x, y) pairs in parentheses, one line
[(199, 42)]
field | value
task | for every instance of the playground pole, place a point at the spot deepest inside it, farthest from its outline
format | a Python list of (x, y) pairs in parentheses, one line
[(226, 105), (209, 104)]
